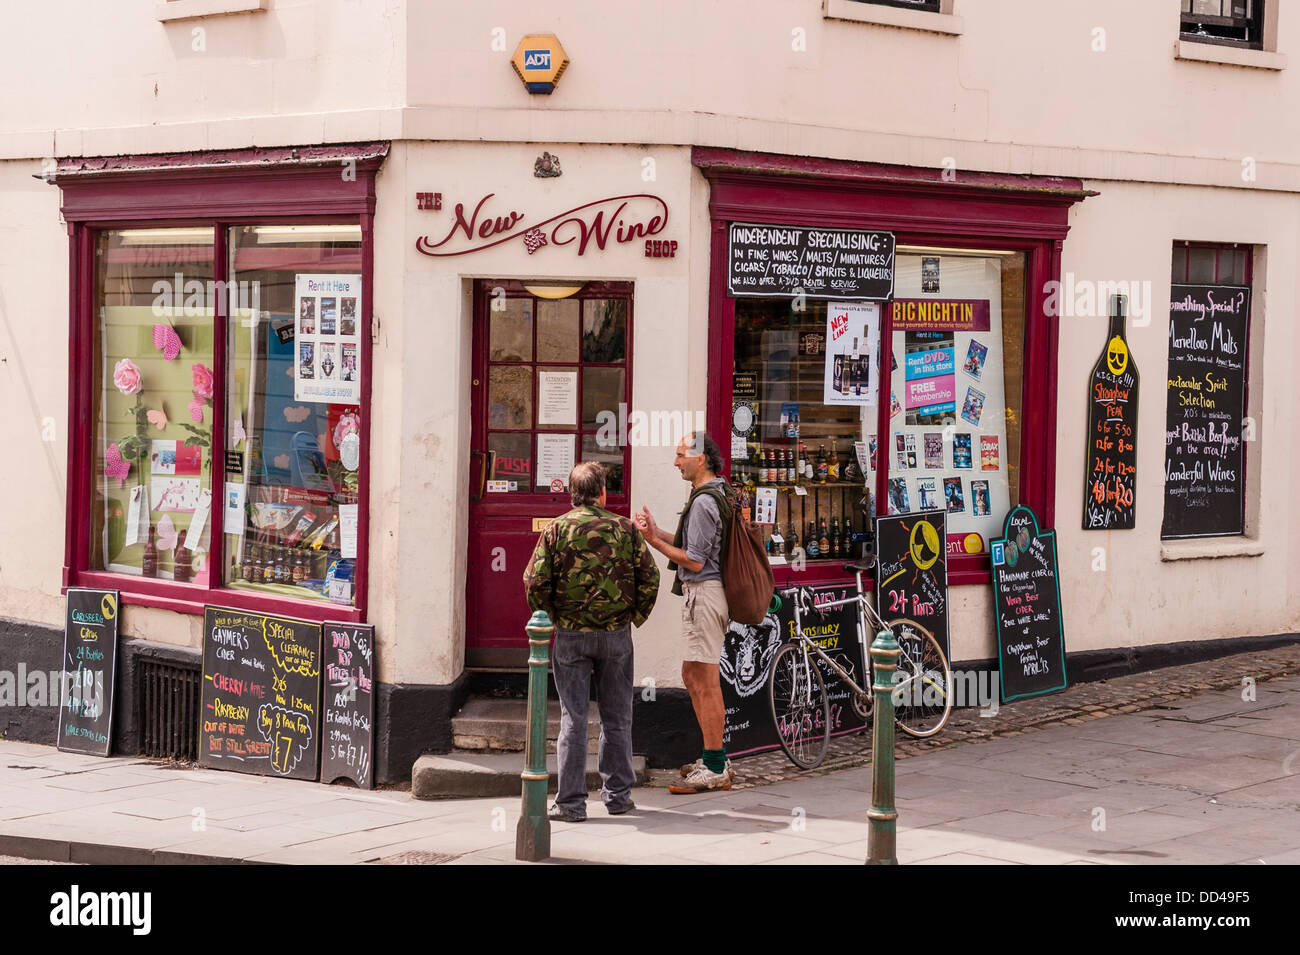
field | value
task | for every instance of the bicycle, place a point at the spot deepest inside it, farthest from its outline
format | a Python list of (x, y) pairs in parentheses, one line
[(797, 692)]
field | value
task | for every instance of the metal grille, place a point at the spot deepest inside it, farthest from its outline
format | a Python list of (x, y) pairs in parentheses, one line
[(169, 710)]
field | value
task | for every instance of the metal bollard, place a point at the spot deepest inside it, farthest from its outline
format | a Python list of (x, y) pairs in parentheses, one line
[(883, 835), (533, 836)]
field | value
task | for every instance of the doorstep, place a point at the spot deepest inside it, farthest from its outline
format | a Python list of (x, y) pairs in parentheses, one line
[(464, 774)]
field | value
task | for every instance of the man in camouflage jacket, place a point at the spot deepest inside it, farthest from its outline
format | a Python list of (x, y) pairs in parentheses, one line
[(595, 576)]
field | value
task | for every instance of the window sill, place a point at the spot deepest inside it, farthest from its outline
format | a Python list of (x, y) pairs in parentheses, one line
[(944, 23), (168, 10), (1228, 55), (1211, 548)]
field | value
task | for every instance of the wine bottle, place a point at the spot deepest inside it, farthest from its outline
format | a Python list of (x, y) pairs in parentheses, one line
[(149, 563)]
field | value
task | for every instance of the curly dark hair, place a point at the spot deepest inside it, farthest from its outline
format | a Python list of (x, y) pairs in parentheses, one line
[(700, 442)]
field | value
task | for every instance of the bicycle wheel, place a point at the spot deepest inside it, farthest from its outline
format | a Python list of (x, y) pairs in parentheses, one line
[(922, 683), (800, 709)]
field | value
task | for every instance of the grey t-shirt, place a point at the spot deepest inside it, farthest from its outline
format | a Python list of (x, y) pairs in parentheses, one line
[(702, 535)]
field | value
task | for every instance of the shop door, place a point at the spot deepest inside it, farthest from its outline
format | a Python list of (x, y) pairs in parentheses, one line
[(549, 376)]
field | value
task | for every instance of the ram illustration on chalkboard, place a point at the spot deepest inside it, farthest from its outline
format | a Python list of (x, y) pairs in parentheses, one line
[(747, 654)]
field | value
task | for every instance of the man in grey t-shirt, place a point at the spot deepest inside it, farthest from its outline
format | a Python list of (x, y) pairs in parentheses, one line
[(696, 553)]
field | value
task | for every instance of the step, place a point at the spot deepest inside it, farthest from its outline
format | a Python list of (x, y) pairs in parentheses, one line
[(492, 774), (485, 724)]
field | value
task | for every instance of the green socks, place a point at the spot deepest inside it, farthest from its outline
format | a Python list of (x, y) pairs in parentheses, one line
[(715, 760)]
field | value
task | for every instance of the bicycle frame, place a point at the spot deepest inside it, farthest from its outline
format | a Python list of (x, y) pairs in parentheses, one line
[(864, 608)]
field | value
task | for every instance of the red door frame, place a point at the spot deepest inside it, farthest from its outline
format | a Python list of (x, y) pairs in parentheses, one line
[(512, 651), (921, 207), (334, 184)]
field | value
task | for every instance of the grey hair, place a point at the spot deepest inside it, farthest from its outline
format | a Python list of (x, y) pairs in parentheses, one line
[(586, 482)]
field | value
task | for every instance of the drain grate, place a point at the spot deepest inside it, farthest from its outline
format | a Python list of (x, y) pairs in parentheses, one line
[(168, 710), (416, 857)]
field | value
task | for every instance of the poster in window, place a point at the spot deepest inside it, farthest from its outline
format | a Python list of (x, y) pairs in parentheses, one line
[(852, 353), (557, 398), (554, 459), (327, 333)]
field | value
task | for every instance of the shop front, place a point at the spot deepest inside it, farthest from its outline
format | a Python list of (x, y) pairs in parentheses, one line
[(953, 276)]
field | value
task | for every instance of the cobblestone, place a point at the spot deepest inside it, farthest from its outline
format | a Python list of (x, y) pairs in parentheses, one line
[(1075, 705)]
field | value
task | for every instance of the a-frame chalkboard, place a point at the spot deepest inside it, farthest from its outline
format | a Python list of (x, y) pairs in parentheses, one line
[(1027, 608)]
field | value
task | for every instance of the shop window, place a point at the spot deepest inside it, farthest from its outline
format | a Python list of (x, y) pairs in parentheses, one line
[(1232, 22), (293, 411), (1206, 419), (153, 389), (954, 365)]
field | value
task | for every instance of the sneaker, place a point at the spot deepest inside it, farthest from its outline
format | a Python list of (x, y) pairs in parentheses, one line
[(701, 779), (559, 814), (619, 810), (691, 767)]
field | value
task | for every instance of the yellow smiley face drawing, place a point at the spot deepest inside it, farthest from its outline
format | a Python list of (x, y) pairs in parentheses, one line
[(109, 606), (924, 545), (1117, 356)]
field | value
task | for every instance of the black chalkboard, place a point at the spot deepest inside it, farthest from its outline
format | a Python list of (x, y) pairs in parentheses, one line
[(912, 570), (85, 696), (1110, 443), (1027, 608), (261, 693), (746, 664), (822, 263), (1204, 456), (347, 747)]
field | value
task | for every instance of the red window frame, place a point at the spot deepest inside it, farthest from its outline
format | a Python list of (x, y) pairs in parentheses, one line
[(921, 207), (333, 184)]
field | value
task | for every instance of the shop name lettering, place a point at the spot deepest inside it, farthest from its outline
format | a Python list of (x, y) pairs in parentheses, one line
[(622, 219)]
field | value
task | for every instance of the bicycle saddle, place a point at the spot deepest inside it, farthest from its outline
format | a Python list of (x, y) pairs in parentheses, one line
[(862, 563)]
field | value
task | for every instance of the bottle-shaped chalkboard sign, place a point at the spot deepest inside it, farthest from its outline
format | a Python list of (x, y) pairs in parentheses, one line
[(1110, 457)]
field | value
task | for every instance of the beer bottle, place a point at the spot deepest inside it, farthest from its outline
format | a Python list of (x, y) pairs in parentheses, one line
[(789, 466), (299, 568), (149, 563), (821, 464), (268, 566), (246, 568), (803, 464), (837, 542), (824, 545), (791, 539), (833, 468), (762, 467), (813, 549)]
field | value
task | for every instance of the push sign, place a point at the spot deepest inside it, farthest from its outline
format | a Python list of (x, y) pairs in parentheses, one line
[(539, 60)]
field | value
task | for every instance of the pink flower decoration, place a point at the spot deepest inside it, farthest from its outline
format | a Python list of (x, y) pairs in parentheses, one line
[(127, 377), (349, 423), (202, 381), (196, 409)]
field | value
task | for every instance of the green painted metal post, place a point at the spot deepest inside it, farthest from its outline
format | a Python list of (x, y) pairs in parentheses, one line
[(533, 837), (882, 838)]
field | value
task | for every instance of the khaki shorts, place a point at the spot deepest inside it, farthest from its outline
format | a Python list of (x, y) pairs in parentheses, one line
[(704, 620)]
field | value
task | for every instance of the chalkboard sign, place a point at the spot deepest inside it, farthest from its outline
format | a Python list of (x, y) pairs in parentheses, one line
[(347, 748), (1204, 473), (1110, 452), (912, 570), (85, 696), (746, 664), (261, 693), (822, 263), (1027, 605)]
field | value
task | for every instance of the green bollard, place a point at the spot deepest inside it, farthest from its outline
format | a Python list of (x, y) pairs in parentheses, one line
[(533, 837), (882, 840)]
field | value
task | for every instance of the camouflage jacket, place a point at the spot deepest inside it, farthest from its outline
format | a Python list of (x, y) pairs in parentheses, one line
[(592, 570)]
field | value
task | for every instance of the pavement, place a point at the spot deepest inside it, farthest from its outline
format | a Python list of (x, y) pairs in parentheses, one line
[(1183, 776)]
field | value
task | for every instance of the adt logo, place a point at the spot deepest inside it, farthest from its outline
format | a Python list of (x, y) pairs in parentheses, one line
[(537, 59)]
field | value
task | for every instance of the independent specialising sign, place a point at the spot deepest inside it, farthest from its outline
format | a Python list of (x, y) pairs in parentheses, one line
[(816, 263)]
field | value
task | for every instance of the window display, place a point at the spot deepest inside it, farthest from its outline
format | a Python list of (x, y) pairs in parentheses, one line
[(293, 387), (153, 415), (957, 336)]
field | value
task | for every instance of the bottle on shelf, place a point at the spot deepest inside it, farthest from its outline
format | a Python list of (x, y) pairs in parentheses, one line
[(822, 465), (789, 466), (791, 539), (299, 567), (246, 568), (182, 569), (813, 548), (833, 466), (268, 566), (824, 544), (802, 464), (837, 542), (149, 563)]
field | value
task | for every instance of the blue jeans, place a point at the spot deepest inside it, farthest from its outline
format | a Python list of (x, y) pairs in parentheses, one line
[(609, 655)]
